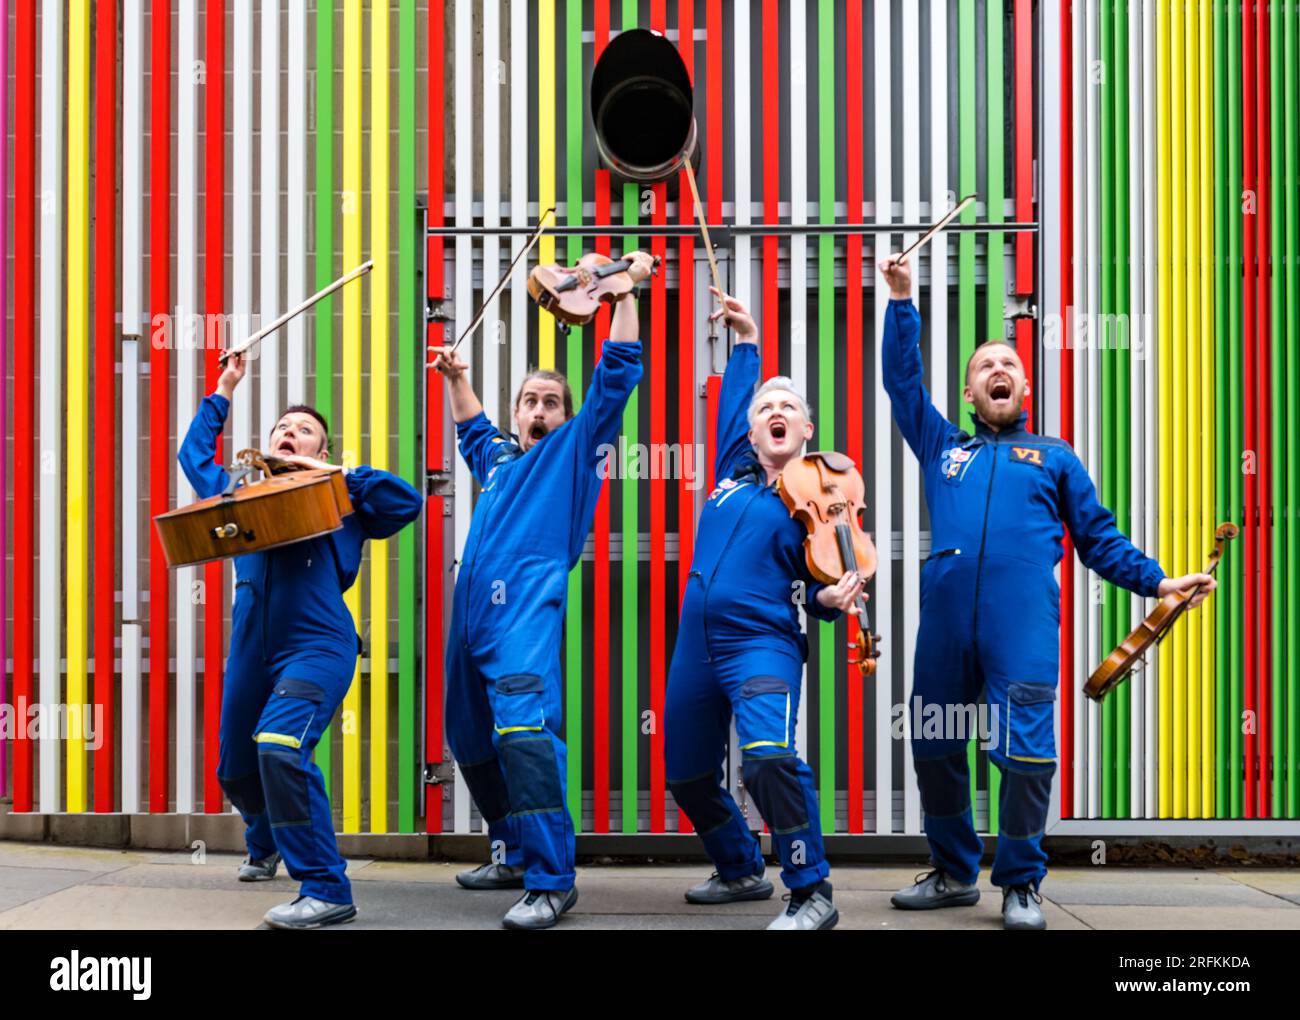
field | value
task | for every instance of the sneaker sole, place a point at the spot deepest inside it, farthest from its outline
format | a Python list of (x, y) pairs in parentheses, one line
[(959, 900), (474, 886), (257, 878), (319, 923), (1024, 927), (569, 901), (759, 892)]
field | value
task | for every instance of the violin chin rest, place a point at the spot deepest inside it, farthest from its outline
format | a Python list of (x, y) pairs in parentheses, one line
[(834, 460)]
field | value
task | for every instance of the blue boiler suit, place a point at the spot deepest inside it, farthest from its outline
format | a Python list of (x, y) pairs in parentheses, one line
[(990, 608), (293, 650), (740, 651), (503, 684)]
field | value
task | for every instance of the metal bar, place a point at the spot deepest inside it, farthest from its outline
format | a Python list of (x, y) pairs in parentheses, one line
[(794, 229)]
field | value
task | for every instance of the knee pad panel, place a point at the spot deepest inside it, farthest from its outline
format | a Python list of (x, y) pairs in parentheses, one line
[(944, 784), (245, 793), (1023, 803), (532, 773), (777, 790), (284, 778), (701, 799)]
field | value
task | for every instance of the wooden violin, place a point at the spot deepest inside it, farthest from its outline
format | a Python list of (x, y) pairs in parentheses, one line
[(288, 504), (573, 294), (825, 492), (1153, 629)]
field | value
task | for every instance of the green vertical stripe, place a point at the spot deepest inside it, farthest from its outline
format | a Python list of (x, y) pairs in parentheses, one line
[(1235, 397), (573, 620), (1278, 453), (1119, 358), (324, 209), (1222, 460), (1291, 632), (410, 350), (631, 571), (1109, 73), (827, 659), (966, 177), (995, 291)]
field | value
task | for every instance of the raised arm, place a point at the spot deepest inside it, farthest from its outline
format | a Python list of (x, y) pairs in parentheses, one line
[(738, 382), (198, 451), (923, 426)]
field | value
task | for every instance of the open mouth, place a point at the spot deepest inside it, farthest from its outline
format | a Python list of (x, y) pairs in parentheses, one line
[(777, 430), (284, 448), (1000, 390), (536, 431)]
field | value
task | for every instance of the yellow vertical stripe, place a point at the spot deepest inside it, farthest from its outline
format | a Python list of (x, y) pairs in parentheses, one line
[(1205, 414), (1178, 383), (546, 165), (379, 409), (1191, 429), (351, 365), (1164, 346), (78, 466)]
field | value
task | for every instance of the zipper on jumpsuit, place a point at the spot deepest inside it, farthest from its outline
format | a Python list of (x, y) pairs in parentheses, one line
[(704, 613), (984, 532), (266, 600)]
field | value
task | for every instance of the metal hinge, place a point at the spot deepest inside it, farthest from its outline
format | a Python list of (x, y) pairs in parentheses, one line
[(1019, 307), (438, 772), (439, 310), (439, 483)]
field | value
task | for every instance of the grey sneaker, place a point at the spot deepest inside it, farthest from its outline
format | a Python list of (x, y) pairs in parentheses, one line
[(540, 908), (933, 890), (309, 912), (715, 890), (260, 870), (809, 912), (492, 876), (1021, 910)]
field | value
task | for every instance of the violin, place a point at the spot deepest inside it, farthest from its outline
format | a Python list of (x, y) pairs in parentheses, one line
[(1154, 628), (573, 294), (825, 493), (288, 504)]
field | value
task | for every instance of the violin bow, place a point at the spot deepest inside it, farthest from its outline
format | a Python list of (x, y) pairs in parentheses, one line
[(320, 295), (948, 217), (532, 240)]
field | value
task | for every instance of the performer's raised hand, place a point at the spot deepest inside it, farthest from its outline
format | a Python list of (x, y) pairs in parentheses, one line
[(447, 363), (897, 275), (642, 266), (236, 366), (736, 315), (1186, 583)]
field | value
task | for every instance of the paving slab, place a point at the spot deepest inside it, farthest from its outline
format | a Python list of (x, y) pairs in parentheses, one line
[(87, 907), (1207, 919)]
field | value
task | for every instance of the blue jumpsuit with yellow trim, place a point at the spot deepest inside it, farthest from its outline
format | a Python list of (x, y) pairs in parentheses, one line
[(740, 652), (504, 691), (293, 651), (990, 608)]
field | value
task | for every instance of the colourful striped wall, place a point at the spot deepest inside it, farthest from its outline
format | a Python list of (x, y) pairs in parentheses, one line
[(1151, 149)]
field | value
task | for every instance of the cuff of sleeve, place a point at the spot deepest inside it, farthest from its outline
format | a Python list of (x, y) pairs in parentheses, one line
[(1153, 578), (461, 426), (219, 402)]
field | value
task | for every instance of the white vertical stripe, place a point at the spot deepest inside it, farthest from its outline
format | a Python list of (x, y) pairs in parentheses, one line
[(799, 251), (492, 333), (1091, 456), (518, 80), (1079, 159), (883, 599), (1138, 240), (133, 325), (51, 413), (744, 155), (269, 163), (131, 736), (185, 360), (463, 294), (911, 479), (1048, 246), (1151, 476), (241, 217), (296, 195)]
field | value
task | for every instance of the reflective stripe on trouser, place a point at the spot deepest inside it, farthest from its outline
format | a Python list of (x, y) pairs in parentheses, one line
[(503, 732), (761, 688)]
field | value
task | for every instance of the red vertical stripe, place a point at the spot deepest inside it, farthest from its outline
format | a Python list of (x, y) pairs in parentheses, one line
[(1024, 173), (854, 126), (160, 461), (1250, 542), (658, 486), (686, 330), (600, 574), (1066, 114), (1264, 419), (771, 101), (435, 565), (214, 208), (105, 390), (713, 71), (24, 395)]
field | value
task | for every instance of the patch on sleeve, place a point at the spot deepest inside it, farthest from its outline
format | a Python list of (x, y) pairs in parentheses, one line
[(955, 461), (1028, 455)]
